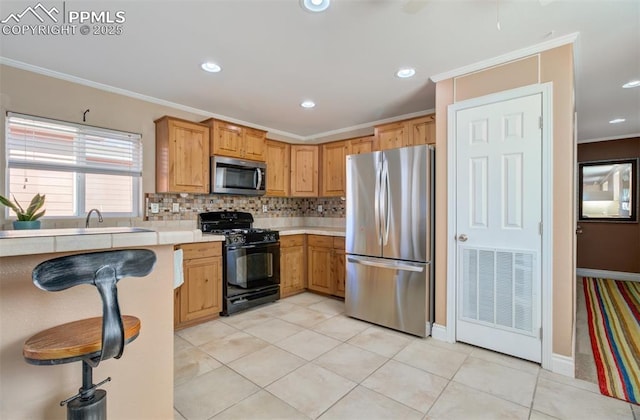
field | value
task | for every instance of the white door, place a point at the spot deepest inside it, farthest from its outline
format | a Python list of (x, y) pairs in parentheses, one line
[(498, 225)]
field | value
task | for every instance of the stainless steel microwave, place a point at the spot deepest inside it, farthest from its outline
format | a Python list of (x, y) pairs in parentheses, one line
[(237, 176)]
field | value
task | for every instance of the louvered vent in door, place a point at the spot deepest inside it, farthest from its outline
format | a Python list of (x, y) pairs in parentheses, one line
[(497, 288)]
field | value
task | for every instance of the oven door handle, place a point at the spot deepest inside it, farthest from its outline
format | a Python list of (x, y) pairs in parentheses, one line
[(240, 246)]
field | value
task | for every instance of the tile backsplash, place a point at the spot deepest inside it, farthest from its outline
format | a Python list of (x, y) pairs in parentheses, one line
[(188, 207)]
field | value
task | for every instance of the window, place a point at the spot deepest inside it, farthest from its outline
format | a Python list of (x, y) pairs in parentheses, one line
[(78, 167), (608, 190)]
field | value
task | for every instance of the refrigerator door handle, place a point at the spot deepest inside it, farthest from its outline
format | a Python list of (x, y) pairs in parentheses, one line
[(391, 265), (376, 204), (385, 202)]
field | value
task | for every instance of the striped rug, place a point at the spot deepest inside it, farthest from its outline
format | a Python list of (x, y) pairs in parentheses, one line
[(613, 310)]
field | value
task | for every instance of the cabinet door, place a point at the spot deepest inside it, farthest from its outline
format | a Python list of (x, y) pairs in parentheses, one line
[(292, 273), (363, 145), (338, 266), (278, 159), (201, 293), (183, 164), (422, 130), (319, 259), (226, 139), (319, 275), (304, 171), (254, 144), (334, 168), (392, 136)]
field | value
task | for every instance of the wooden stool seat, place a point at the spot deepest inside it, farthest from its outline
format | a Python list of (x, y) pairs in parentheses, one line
[(73, 341)]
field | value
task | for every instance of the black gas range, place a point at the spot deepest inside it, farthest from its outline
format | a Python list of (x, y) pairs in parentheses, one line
[(251, 263)]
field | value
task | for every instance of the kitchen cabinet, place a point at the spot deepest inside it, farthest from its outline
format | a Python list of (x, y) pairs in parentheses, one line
[(338, 266), (392, 136), (304, 170), (422, 130), (278, 158), (326, 264), (362, 145), (411, 132), (199, 298), (233, 140), (334, 168), (292, 265), (182, 156)]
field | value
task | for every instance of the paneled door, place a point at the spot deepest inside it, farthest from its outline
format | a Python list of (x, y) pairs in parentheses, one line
[(498, 231)]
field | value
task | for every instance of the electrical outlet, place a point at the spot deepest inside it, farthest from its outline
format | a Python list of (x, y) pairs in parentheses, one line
[(155, 208), (264, 208), (175, 207), (319, 208)]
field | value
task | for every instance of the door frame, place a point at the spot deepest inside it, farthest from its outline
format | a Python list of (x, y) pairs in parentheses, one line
[(546, 263)]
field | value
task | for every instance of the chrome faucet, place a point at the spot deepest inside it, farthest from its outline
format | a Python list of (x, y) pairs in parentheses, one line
[(100, 220)]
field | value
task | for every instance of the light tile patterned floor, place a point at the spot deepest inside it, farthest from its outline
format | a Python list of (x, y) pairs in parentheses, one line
[(302, 358)]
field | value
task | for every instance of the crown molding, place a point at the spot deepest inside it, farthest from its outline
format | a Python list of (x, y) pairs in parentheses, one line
[(371, 124), (621, 137), (504, 58)]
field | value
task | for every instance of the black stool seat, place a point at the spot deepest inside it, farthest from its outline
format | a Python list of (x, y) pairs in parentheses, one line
[(73, 341)]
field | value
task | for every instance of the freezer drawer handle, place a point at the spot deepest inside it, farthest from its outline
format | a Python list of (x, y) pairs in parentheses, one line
[(392, 266)]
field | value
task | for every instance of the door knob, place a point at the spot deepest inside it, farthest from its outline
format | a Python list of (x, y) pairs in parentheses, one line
[(463, 238), (578, 229)]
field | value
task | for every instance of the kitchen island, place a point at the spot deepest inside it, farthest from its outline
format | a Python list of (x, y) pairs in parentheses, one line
[(142, 380)]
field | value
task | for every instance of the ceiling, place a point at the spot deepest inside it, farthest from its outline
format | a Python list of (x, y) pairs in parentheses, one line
[(274, 55)]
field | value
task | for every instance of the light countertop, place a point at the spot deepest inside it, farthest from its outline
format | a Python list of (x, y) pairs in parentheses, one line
[(44, 241)]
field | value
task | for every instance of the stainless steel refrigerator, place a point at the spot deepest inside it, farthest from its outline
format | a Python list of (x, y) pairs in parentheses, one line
[(389, 238)]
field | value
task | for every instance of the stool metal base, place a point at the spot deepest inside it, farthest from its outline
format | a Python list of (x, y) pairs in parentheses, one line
[(94, 408)]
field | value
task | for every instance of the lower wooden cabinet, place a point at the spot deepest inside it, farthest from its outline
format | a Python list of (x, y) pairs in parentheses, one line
[(292, 265), (338, 266), (200, 297), (326, 264)]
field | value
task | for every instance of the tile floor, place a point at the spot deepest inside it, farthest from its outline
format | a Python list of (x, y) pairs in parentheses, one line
[(302, 358)]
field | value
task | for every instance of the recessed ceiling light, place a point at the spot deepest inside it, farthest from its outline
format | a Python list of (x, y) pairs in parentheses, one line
[(315, 5), (406, 72), (631, 84), (617, 120), (211, 67), (308, 104)]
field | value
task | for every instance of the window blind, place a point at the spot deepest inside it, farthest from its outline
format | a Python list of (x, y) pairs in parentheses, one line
[(50, 145)]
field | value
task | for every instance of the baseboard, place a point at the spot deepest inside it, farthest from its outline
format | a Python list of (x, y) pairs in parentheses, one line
[(563, 365), (606, 274), (439, 332)]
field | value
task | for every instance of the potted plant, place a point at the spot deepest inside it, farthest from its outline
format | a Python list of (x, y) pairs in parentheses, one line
[(27, 219)]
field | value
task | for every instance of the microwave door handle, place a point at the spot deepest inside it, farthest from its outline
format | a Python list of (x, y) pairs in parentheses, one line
[(259, 178)]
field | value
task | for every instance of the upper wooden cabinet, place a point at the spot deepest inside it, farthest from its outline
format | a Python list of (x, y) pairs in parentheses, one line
[(234, 140), (182, 156), (334, 170), (304, 170), (392, 136), (361, 145), (278, 168), (412, 132), (422, 130)]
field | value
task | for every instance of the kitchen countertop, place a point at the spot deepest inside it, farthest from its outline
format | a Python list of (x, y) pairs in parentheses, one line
[(44, 241)]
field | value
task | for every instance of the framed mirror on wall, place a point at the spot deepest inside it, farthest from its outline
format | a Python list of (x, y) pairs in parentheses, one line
[(608, 191)]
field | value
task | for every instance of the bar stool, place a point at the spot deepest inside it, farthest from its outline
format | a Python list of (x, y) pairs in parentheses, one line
[(89, 340)]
